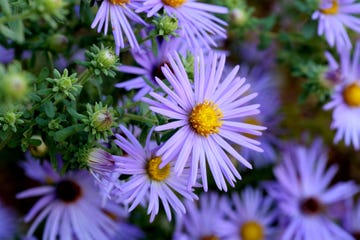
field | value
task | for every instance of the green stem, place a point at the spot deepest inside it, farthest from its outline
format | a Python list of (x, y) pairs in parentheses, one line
[(85, 76), (140, 118), (21, 16)]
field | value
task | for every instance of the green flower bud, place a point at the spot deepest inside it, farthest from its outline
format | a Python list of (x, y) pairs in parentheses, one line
[(15, 86), (166, 25), (102, 120), (50, 6), (239, 16), (57, 42), (40, 150), (106, 58)]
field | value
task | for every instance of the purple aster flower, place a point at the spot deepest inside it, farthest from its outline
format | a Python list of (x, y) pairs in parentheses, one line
[(345, 100), (6, 55), (304, 196), (148, 183), (197, 25), (268, 98), (204, 219), (71, 206), (208, 116), (8, 222), (352, 218), (252, 216), (124, 229), (334, 17), (150, 66), (119, 12)]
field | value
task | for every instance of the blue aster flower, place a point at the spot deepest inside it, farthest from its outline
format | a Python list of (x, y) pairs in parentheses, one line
[(196, 22), (148, 183), (209, 116), (71, 206), (304, 194)]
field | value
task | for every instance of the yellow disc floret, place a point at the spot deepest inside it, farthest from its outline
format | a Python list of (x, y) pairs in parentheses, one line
[(334, 9), (174, 3), (119, 2), (205, 118), (156, 173), (351, 95), (251, 230)]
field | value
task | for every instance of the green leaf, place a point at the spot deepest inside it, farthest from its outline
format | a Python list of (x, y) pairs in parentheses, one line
[(50, 109), (5, 7), (61, 135)]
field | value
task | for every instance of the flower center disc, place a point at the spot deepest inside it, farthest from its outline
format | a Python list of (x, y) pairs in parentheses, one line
[(174, 3), (251, 230), (311, 206), (205, 118), (334, 9), (210, 237), (351, 95), (119, 2), (156, 173), (68, 191)]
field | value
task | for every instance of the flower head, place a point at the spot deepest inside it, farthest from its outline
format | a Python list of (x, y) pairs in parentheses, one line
[(304, 196), (334, 17), (120, 12), (208, 116), (204, 219), (71, 206), (250, 215), (345, 100), (196, 23), (148, 181)]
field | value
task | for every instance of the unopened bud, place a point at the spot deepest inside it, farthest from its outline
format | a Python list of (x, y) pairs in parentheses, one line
[(39, 150)]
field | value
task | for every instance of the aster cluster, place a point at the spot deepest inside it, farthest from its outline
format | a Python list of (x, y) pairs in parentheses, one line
[(179, 119)]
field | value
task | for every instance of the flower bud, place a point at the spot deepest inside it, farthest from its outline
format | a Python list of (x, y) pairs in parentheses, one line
[(40, 150), (102, 119), (15, 86), (50, 6), (238, 16), (106, 58), (167, 25), (57, 42)]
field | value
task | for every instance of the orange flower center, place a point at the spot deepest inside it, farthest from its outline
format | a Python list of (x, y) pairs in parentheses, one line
[(156, 173), (174, 3), (351, 95), (119, 2), (334, 9), (252, 230)]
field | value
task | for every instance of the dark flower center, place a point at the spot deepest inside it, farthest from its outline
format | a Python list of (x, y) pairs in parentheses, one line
[(157, 72), (210, 237), (356, 235), (68, 191), (311, 206)]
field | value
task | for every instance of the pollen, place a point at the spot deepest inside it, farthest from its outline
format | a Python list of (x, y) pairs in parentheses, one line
[(154, 172), (251, 230), (174, 3), (119, 2), (334, 9), (351, 95), (205, 118)]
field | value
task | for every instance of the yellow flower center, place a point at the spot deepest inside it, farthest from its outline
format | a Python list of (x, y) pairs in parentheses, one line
[(205, 118), (334, 9), (156, 173), (174, 3), (351, 95), (251, 230), (119, 2)]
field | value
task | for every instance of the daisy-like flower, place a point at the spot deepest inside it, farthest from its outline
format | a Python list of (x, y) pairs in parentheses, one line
[(345, 100), (119, 12), (268, 98), (8, 222), (149, 66), (252, 216), (209, 116), (72, 208), (204, 219), (334, 17), (196, 22), (304, 196), (148, 183)]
